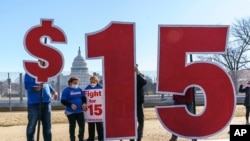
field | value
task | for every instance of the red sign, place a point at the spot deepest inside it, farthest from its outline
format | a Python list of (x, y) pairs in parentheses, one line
[(115, 45), (175, 75), (52, 56)]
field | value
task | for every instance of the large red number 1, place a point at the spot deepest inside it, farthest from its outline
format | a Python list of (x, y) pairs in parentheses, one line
[(175, 75), (115, 45)]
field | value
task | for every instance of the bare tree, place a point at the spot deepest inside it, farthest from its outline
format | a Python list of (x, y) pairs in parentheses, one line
[(236, 57)]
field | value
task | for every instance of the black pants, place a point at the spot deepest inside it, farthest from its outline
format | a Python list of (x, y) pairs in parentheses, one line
[(73, 118), (247, 112), (99, 127), (140, 119)]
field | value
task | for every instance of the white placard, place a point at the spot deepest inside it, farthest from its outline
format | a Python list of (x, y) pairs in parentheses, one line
[(94, 112)]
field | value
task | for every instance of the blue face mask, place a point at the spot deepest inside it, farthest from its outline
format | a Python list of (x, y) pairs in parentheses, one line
[(74, 86)]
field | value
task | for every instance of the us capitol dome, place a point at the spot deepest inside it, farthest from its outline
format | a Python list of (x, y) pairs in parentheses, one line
[(79, 65), (79, 68)]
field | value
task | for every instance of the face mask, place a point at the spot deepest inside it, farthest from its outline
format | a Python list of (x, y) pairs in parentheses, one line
[(74, 86), (93, 84)]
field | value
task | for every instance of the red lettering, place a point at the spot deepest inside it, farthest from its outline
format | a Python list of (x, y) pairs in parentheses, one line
[(92, 94), (95, 109)]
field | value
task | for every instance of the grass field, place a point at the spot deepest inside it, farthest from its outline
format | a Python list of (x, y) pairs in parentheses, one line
[(13, 126), (58, 116)]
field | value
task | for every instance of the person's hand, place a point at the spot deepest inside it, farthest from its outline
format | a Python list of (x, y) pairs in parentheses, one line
[(84, 107), (55, 95), (136, 70), (39, 87), (73, 106)]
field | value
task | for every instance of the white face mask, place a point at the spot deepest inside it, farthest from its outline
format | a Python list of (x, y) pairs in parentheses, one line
[(93, 84), (74, 86)]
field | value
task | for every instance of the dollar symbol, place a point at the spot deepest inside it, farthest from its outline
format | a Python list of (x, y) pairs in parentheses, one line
[(52, 56)]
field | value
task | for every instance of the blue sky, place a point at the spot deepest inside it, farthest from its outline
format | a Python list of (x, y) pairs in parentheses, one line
[(79, 17)]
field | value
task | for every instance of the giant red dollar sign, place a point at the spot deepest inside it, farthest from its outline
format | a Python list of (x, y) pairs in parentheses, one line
[(52, 56)]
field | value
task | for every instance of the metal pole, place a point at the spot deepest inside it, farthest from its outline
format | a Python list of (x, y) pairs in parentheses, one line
[(40, 114), (21, 87), (40, 106), (194, 102), (193, 90), (58, 87), (9, 91)]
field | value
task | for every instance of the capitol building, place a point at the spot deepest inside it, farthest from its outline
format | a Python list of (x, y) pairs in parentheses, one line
[(79, 68)]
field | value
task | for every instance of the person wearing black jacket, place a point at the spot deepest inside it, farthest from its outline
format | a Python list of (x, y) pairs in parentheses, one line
[(140, 100), (246, 90)]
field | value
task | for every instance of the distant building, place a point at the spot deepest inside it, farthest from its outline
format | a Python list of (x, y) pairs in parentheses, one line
[(79, 68), (243, 76)]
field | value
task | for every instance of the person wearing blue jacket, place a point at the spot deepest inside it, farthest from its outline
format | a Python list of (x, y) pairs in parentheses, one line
[(94, 84), (34, 90), (74, 101)]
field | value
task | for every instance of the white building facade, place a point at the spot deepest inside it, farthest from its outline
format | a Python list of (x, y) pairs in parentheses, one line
[(79, 69)]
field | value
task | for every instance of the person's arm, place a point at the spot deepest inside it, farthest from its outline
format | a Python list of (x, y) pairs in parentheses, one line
[(84, 103), (64, 100), (53, 92), (30, 83), (140, 77), (65, 103), (241, 89), (140, 80), (51, 89), (84, 99)]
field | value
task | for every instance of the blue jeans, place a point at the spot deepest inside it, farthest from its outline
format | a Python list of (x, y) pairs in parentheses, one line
[(33, 117)]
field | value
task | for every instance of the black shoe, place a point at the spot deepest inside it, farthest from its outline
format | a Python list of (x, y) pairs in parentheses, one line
[(173, 139)]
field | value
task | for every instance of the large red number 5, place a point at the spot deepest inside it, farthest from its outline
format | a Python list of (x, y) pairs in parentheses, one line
[(98, 109), (175, 75), (115, 45)]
